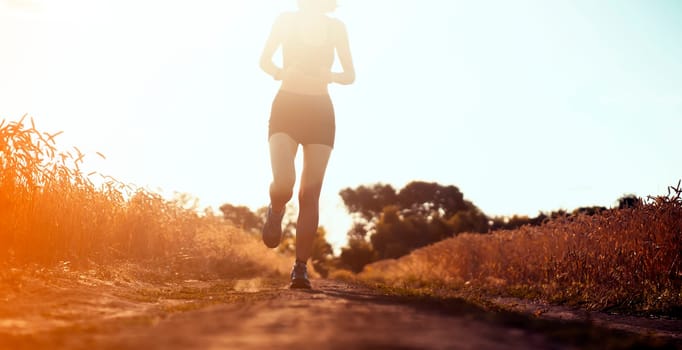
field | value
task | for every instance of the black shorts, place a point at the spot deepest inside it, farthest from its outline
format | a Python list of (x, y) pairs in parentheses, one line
[(308, 119)]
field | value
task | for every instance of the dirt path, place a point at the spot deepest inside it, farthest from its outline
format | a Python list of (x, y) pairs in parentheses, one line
[(333, 316)]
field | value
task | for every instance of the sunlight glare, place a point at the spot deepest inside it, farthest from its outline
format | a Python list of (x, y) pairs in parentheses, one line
[(27, 6)]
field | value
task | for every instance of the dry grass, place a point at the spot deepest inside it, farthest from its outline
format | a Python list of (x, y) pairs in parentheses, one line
[(626, 259), (51, 213)]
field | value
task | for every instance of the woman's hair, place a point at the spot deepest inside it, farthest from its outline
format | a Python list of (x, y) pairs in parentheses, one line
[(323, 6)]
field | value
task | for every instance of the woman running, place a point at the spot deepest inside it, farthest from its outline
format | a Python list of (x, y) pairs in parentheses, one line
[(302, 114)]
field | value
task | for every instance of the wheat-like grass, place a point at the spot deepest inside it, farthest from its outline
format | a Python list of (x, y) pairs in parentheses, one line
[(51, 212), (628, 258)]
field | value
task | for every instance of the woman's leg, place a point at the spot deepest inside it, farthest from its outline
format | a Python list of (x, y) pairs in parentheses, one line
[(315, 159), (282, 155)]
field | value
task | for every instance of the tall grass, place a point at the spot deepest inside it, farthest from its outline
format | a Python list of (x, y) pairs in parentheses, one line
[(51, 212), (625, 259)]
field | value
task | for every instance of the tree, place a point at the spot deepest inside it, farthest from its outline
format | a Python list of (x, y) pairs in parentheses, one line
[(242, 217), (472, 220), (365, 204), (508, 223), (593, 210), (368, 201), (357, 254), (394, 224), (629, 201), (358, 231), (395, 236), (430, 198)]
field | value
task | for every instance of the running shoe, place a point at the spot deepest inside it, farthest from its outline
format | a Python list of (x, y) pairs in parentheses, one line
[(299, 276), (272, 229)]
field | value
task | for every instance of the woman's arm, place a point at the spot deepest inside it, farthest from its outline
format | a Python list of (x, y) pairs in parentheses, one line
[(343, 51), (271, 45)]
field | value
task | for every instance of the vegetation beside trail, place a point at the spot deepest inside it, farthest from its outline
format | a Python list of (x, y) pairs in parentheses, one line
[(626, 260), (390, 223), (53, 215)]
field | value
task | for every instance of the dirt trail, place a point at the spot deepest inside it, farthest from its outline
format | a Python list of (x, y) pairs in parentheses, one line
[(335, 315)]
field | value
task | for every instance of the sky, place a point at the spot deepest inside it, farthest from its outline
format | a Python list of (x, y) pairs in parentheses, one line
[(525, 105)]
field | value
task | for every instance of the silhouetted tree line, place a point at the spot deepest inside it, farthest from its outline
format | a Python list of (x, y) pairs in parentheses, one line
[(389, 223), (516, 221)]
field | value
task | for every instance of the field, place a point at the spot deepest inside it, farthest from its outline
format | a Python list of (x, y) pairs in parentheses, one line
[(621, 260), (87, 259), (54, 216)]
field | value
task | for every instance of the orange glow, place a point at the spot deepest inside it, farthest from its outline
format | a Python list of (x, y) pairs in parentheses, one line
[(50, 211)]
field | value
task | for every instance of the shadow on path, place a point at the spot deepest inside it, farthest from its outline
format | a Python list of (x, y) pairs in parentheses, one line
[(582, 334), (335, 315)]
